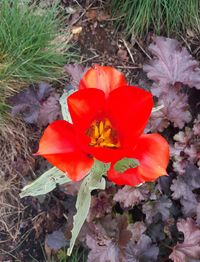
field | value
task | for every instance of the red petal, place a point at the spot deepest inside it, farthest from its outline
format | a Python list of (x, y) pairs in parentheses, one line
[(58, 146), (108, 154), (153, 153), (127, 178), (104, 78), (129, 112), (84, 106)]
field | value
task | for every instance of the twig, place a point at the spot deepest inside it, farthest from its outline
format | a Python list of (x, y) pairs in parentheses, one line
[(38, 215), (65, 216), (157, 108), (88, 59), (129, 51), (78, 4), (13, 236), (129, 67), (185, 41), (83, 13), (4, 241), (24, 237), (8, 253), (142, 49), (114, 18)]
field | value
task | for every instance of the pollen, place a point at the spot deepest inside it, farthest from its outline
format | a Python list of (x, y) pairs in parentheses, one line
[(102, 134)]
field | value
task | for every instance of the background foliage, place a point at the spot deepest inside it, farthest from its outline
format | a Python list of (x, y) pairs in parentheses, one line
[(33, 47), (160, 16)]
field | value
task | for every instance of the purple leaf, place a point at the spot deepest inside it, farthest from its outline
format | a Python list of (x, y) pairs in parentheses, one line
[(106, 250), (190, 248), (137, 229), (37, 105), (198, 214), (56, 240), (156, 230), (189, 206), (143, 251), (170, 69), (26, 104), (164, 183), (175, 109), (101, 205), (171, 64), (76, 73), (162, 206), (196, 126), (44, 90), (183, 187), (108, 239), (130, 196), (49, 110), (186, 148)]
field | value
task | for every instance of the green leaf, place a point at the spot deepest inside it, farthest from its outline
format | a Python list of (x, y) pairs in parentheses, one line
[(64, 106), (126, 163), (83, 206), (99, 168), (45, 183), (93, 181)]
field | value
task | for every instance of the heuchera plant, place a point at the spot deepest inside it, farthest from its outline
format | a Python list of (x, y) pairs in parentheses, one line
[(105, 137), (108, 121)]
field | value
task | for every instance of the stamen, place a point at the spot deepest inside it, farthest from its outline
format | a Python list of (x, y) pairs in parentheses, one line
[(101, 126), (107, 133), (102, 134), (96, 132)]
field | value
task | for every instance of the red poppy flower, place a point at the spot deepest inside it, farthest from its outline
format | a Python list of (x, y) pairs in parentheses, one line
[(108, 118)]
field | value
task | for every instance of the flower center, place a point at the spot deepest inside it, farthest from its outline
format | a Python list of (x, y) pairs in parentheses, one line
[(102, 134)]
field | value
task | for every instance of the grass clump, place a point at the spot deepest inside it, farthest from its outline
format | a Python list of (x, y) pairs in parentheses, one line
[(160, 16), (32, 48), (78, 255)]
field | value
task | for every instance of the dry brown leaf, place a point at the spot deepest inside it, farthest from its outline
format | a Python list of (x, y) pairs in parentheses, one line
[(102, 16), (122, 54), (99, 15), (76, 30), (91, 14)]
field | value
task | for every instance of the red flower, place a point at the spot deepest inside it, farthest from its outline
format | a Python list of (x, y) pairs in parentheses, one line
[(109, 118)]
